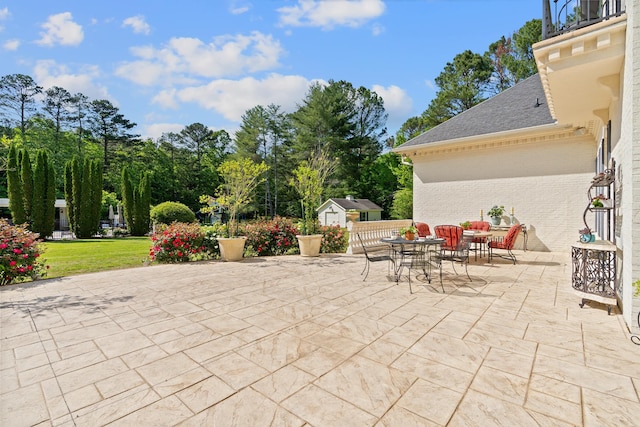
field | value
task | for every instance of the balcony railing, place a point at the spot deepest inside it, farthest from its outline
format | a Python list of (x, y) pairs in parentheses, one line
[(562, 16)]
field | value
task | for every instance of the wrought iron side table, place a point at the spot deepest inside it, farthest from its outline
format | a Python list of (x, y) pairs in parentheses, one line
[(594, 272)]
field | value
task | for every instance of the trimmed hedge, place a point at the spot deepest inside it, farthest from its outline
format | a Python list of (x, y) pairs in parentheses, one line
[(169, 212)]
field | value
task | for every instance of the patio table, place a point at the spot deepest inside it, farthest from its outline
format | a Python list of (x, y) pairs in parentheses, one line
[(476, 234), (412, 254)]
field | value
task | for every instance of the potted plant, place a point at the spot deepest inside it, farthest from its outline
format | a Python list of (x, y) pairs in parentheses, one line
[(496, 214), (409, 232), (308, 181), (241, 177), (465, 225), (352, 215)]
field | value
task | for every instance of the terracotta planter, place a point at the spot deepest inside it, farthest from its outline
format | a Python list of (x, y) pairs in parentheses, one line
[(409, 235), (231, 248), (310, 245)]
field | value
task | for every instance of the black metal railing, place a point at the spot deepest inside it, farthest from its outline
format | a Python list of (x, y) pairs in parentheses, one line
[(561, 16)]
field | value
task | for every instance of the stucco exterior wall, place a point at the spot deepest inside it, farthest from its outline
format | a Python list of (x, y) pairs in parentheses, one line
[(545, 183)]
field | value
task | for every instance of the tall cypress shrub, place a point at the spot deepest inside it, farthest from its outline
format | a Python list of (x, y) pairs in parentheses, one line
[(127, 199), (38, 202), (68, 193), (50, 203), (136, 202), (96, 192), (44, 196), (85, 196), (142, 201), (85, 203), (14, 188), (26, 175)]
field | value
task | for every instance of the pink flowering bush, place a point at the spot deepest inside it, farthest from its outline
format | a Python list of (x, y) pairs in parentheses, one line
[(19, 254), (178, 242), (271, 236), (334, 239)]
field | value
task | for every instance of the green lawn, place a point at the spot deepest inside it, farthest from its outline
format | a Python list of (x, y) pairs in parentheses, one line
[(69, 257)]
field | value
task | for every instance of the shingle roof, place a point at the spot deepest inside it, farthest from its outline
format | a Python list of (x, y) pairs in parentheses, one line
[(357, 204), (514, 108)]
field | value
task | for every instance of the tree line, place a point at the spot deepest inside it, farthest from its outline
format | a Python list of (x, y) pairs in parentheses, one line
[(344, 121)]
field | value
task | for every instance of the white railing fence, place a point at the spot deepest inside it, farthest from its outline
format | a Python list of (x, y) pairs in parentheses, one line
[(371, 232)]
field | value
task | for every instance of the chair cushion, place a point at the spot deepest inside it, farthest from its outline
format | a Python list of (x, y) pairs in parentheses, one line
[(423, 229)]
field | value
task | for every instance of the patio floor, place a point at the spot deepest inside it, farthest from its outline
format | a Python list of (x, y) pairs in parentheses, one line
[(289, 341)]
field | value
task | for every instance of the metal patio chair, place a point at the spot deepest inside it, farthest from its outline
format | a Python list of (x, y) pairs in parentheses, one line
[(505, 243), (374, 258), (454, 249)]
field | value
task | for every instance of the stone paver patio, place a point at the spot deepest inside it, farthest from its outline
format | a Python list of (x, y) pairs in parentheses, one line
[(289, 341)]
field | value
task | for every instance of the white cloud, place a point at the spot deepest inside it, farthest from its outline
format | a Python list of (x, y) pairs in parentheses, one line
[(430, 84), (166, 99), (397, 103), (155, 130), (4, 14), (396, 100), (12, 44), (331, 13), (238, 7), (48, 74), (377, 29), (184, 58), (60, 29), (138, 24), (232, 98)]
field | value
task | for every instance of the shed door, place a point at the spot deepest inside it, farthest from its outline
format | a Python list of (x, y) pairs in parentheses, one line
[(331, 218)]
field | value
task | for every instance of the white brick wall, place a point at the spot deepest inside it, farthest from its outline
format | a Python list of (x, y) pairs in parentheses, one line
[(546, 184), (627, 152)]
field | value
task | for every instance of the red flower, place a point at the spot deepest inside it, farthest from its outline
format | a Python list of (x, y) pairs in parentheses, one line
[(12, 263)]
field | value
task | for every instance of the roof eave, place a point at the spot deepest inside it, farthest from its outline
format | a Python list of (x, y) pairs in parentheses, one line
[(509, 134)]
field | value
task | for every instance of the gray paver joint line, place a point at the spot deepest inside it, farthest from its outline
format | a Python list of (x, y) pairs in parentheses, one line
[(66, 404)]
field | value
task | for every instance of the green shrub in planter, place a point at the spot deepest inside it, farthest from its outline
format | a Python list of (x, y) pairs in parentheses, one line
[(169, 212)]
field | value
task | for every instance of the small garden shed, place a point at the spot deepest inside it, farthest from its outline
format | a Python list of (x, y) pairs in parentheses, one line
[(334, 211)]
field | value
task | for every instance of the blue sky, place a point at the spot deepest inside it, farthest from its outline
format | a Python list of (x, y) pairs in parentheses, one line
[(167, 64)]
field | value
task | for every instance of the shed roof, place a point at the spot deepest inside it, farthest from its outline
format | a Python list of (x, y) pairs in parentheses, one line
[(521, 106), (356, 204)]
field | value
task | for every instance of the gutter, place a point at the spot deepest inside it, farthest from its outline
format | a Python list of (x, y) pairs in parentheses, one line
[(508, 134)]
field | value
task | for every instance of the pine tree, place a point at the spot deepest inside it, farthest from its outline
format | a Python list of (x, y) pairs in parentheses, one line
[(14, 188)]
